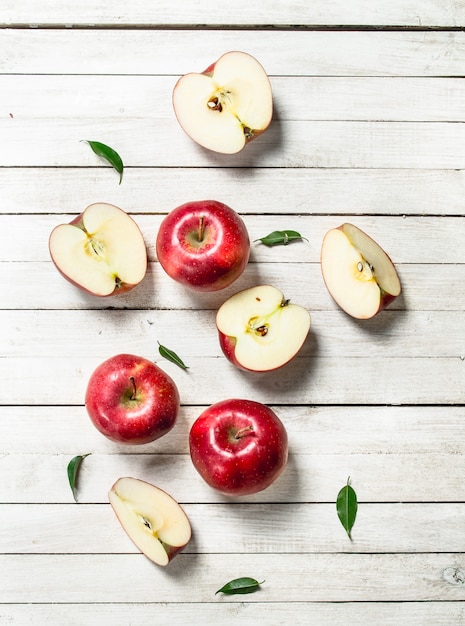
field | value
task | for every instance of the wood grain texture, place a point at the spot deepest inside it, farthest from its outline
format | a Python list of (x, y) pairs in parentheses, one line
[(450, 613), (397, 577), (241, 529), (414, 13), (368, 128), (278, 192), (301, 53)]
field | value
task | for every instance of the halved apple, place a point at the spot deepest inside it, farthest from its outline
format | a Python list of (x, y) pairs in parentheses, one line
[(359, 275), (259, 330), (154, 521), (101, 251), (227, 105)]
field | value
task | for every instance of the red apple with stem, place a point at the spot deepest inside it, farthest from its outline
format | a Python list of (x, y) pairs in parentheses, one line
[(239, 447), (203, 245), (131, 400)]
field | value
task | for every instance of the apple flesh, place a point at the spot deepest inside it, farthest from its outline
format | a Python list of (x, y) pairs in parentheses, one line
[(259, 330), (359, 275), (203, 245), (153, 520), (101, 251), (227, 105), (131, 400), (239, 447)]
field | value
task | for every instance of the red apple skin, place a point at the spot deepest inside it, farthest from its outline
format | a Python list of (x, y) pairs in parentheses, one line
[(239, 447), (228, 346), (213, 263), (131, 400), (120, 288)]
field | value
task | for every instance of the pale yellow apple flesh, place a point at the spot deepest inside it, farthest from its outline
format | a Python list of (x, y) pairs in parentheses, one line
[(228, 107), (359, 275), (268, 330), (102, 251), (153, 520)]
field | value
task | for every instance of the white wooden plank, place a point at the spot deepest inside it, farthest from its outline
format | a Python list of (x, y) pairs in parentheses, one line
[(307, 53), (313, 380), (416, 13), (111, 578), (324, 614), (384, 98), (241, 529), (47, 334), (272, 191), (330, 430), (427, 288), (285, 144), (406, 239), (430, 477)]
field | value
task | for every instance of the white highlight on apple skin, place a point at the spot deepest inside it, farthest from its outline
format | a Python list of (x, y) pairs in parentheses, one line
[(359, 275), (153, 520), (238, 446), (203, 244), (102, 251), (259, 330), (227, 105)]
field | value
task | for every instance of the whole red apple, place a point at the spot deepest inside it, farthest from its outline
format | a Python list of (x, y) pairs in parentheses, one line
[(239, 447), (203, 245), (131, 400)]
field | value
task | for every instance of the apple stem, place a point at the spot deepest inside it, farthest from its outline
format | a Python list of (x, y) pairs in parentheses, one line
[(201, 228), (134, 389), (243, 431)]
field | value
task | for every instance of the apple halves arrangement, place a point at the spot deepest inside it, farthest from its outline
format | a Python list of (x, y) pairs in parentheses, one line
[(239, 447)]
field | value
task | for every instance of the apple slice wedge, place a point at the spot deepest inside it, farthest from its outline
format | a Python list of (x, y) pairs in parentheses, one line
[(227, 105), (359, 275), (102, 251), (154, 521), (259, 330)]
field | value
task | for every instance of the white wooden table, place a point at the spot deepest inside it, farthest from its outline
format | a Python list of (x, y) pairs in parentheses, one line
[(369, 128)]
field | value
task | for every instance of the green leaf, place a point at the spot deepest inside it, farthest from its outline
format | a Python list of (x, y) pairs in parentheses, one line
[(171, 356), (347, 506), (109, 155), (73, 471), (281, 237), (240, 585)]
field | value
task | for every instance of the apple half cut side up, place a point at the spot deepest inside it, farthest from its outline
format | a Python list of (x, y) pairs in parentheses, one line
[(226, 106), (357, 272), (153, 520), (259, 330), (102, 251)]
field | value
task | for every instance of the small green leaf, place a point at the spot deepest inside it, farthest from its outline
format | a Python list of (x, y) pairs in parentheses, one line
[(171, 356), (281, 237), (73, 471), (347, 506), (240, 585), (109, 155)]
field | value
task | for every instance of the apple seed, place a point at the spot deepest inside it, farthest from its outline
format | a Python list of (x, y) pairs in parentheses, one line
[(215, 105)]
